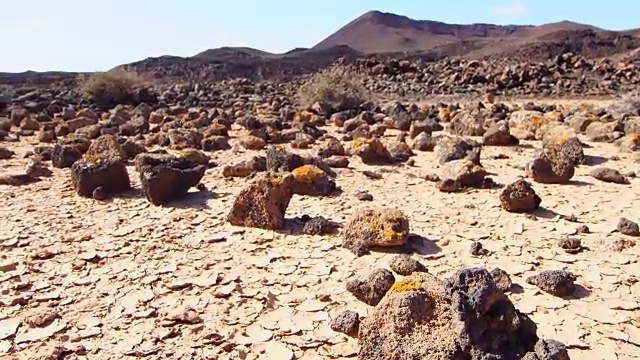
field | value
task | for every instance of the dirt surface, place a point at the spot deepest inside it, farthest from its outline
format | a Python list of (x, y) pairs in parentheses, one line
[(125, 279)]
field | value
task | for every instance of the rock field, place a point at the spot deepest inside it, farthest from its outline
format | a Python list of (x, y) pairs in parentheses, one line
[(224, 221)]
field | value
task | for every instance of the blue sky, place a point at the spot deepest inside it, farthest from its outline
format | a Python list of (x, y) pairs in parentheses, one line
[(95, 35)]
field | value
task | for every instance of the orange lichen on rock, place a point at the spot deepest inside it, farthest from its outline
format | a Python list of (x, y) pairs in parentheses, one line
[(444, 114), (307, 173), (413, 282), (635, 138)]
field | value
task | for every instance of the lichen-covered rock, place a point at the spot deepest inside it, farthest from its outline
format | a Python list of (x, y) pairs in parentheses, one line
[(133, 148), (519, 196), (184, 138), (252, 142), (547, 170), (263, 202), (427, 126), (464, 173), (312, 181), (455, 148), (370, 287), (604, 132), (166, 177), (561, 142), (465, 317), (371, 228), (371, 151), (555, 282), (108, 173), (195, 155), (106, 146), (608, 175), (523, 124), (406, 265)]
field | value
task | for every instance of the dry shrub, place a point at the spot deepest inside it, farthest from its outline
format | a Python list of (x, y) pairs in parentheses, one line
[(338, 86), (111, 87), (628, 104)]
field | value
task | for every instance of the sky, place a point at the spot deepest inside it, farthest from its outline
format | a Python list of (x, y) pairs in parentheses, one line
[(97, 35)]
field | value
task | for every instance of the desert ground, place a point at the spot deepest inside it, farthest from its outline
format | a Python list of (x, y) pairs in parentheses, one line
[(123, 278)]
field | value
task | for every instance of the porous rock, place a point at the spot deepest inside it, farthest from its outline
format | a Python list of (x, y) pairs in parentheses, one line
[(371, 228), (519, 196), (167, 177)]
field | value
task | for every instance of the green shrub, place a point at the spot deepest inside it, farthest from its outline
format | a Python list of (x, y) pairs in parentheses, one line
[(337, 86)]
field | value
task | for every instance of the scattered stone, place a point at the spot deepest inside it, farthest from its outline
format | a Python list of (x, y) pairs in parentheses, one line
[(457, 148), (263, 202), (347, 322), (499, 135), (373, 228), (371, 151), (421, 309), (318, 226), (502, 280), (63, 156), (628, 227), (608, 175), (555, 282), (477, 249), (405, 265), (364, 196), (619, 245), (547, 349), (165, 177), (17, 179), (108, 173), (281, 161), (312, 181), (570, 245), (372, 174), (371, 287), (6, 153), (583, 229), (463, 172), (519, 196), (546, 170)]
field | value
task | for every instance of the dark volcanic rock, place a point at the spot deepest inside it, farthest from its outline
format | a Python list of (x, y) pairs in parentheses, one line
[(280, 160), (466, 317), (405, 265), (165, 178), (555, 282), (63, 156), (608, 175), (347, 322), (371, 287), (628, 227), (519, 196), (108, 173)]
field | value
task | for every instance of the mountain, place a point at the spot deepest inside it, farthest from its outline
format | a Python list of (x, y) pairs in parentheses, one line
[(378, 32)]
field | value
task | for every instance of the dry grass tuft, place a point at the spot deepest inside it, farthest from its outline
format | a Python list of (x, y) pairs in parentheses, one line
[(111, 87), (338, 86)]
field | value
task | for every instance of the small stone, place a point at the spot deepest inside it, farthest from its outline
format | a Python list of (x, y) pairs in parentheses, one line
[(583, 229), (570, 245), (502, 279), (609, 175), (519, 197), (347, 322), (370, 288), (477, 249), (405, 265), (555, 282), (628, 227), (318, 226), (364, 196)]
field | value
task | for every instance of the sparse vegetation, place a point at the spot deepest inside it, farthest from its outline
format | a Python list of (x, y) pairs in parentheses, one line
[(628, 104), (338, 86), (111, 87)]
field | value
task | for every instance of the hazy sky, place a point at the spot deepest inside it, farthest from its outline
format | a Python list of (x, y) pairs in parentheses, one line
[(91, 35)]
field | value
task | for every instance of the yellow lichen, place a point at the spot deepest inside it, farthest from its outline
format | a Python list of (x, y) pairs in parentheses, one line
[(556, 116), (413, 282), (403, 146), (444, 114), (563, 139), (307, 173), (276, 181), (635, 139), (360, 142)]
